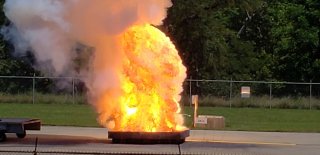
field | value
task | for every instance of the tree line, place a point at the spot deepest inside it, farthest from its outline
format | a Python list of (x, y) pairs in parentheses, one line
[(269, 40)]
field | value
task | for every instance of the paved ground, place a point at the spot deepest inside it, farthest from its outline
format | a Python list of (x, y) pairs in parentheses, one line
[(73, 140)]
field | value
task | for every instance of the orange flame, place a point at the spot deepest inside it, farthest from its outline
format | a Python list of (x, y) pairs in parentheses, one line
[(151, 80)]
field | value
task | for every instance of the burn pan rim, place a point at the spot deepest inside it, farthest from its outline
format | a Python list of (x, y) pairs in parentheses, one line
[(124, 137)]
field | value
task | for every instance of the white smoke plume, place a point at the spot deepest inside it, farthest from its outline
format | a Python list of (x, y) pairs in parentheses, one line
[(54, 30), (51, 28)]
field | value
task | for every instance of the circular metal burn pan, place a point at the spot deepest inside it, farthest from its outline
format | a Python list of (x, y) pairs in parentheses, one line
[(176, 137)]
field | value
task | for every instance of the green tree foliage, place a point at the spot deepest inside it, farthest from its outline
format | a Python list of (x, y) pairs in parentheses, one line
[(209, 48), (295, 39), (274, 40), (247, 40)]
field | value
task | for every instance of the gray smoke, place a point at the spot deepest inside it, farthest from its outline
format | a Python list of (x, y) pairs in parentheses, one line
[(52, 29)]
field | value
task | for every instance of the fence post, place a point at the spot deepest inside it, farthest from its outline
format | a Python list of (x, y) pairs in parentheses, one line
[(270, 94), (190, 89), (230, 95), (33, 87), (73, 90), (310, 95)]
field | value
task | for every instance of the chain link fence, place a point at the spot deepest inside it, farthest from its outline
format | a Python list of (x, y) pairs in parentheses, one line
[(225, 93), (229, 93), (33, 89)]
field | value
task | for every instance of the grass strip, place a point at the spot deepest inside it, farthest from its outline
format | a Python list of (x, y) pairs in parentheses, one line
[(244, 119)]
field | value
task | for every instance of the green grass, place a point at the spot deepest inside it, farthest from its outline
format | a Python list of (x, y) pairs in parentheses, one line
[(52, 114), (259, 119), (247, 119), (210, 101), (42, 98), (287, 102)]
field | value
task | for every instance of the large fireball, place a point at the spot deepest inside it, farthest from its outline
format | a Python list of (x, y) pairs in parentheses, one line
[(151, 77)]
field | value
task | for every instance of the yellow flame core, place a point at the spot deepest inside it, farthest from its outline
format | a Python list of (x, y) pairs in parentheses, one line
[(151, 80)]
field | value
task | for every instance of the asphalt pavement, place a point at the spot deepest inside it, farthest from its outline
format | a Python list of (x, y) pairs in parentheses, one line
[(84, 140)]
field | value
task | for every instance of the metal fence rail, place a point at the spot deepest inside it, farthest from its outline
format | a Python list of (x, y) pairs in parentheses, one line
[(227, 90), (32, 90), (273, 89)]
